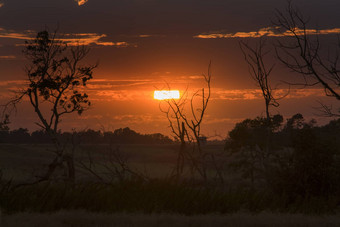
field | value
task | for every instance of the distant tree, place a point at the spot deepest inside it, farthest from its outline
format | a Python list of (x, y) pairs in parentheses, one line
[(20, 135), (301, 52), (55, 82), (91, 136), (4, 129), (4, 123), (40, 136), (246, 143), (295, 122), (302, 151), (310, 157)]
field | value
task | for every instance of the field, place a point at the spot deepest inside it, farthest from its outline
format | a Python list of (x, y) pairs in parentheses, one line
[(86, 219), (157, 201), (22, 162)]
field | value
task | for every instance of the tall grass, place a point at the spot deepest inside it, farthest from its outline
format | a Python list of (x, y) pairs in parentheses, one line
[(87, 219), (155, 196)]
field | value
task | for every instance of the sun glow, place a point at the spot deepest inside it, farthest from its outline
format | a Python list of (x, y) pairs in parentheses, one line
[(162, 95), (81, 2)]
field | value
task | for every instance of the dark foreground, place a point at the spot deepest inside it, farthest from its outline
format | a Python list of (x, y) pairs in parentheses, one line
[(84, 219)]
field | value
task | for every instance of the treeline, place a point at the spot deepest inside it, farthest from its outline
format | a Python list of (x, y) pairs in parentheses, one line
[(294, 158), (90, 136)]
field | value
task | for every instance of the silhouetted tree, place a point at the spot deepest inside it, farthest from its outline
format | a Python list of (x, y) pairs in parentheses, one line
[(260, 73), (55, 81), (40, 136), (4, 129), (305, 161), (310, 157), (21, 135), (301, 52), (246, 143), (186, 125)]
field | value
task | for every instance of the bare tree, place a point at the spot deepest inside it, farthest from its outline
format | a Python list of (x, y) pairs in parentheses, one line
[(260, 72), (55, 83), (186, 126), (300, 50)]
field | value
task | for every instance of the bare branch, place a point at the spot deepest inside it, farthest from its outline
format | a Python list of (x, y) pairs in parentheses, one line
[(301, 52)]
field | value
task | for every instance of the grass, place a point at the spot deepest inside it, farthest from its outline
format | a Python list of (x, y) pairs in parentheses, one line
[(160, 201), (153, 197), (21, 162), (86, 219)]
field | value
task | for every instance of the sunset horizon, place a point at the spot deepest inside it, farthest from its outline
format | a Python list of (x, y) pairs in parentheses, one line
[(169, 113), (134, 62)]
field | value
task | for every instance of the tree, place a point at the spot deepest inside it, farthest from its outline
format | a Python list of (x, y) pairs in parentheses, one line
[(55, 82), (4, 129), (301, 51), (310, 156), (246, 143), (260, 72), (186, 125)]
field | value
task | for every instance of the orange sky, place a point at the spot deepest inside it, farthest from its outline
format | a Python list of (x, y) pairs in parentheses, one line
[(141, 45)]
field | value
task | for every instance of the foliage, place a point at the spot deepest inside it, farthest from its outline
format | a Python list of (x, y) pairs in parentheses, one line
[(90, 136), (56, 77), (300, 151), (4, 129), (247, 145)]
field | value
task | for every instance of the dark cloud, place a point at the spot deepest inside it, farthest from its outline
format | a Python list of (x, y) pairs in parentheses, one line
[(172, 17)]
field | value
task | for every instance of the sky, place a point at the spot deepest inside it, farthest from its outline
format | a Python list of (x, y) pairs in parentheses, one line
[(145, 45)]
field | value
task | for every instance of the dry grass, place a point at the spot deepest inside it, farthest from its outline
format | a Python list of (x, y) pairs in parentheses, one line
[(21, 162), (86, 219)]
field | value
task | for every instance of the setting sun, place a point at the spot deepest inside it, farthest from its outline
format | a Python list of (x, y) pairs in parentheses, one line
[(162, 95)]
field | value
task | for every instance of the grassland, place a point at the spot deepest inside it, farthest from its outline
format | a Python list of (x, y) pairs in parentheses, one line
[(159, 201), (22, 162), (87, 219)]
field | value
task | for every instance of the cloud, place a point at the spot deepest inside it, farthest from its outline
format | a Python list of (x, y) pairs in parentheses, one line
[(214, 120), (7, 83), (254, 94), (120, 90), (149, 36), (9, 57), (114, 84), (122, 95), (232, 95), (71, 39), (269, 31), (144, 36), (14, 35), (139, 89), (90, 38), (138, 118), (81, 2)]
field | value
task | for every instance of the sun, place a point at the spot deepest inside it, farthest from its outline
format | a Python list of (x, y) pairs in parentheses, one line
[(166, 94)]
